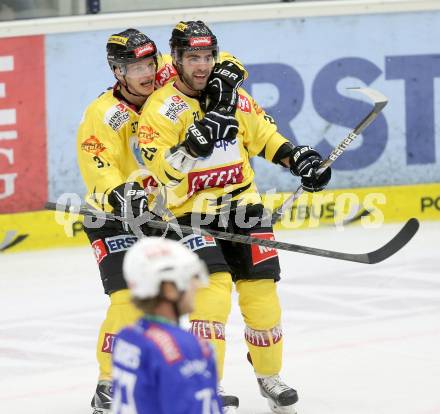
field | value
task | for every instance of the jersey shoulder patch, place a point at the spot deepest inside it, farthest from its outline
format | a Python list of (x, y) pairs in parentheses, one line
[(172, 107), (244, 104), (116, 116), (164, 74), (165, 343)]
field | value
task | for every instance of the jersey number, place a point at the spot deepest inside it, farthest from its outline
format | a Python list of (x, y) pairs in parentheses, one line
[(149, 153), (269, 119), (123, 384), (209, 404), (99, 162)]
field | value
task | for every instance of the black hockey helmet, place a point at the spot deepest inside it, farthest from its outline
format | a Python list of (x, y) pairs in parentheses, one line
[(129, 46), (192, 35)]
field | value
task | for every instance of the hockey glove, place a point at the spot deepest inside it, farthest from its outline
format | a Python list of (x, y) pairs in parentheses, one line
[(304, 162), (222, 88), (129, 201), (199, 140), (222, 127)]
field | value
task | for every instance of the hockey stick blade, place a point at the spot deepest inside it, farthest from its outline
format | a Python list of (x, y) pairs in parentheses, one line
[(394, 245), (406, 233)]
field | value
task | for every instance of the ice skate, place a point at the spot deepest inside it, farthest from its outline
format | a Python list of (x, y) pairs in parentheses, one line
[(102, 400), (230, 402), (280, 397)]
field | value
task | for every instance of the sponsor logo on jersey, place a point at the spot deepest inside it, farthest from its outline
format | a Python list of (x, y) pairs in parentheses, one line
[(173, 107), (262, 253), (144, 50), (200, 41), (149, 182), (194, 367), (222, 143), (165, 73), (107, 343), (215, 177), (207, 329), (165, 342), (195, 242), (127, 354), (93, 145), (244, 104), (135, 149), (147, 134), (100, 250), (116, 117), (117, 244)]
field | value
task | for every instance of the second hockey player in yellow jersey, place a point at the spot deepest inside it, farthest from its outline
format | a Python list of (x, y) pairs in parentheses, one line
[(112, 168), (200, 158)]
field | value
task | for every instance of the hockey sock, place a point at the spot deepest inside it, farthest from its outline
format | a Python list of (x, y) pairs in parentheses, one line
[(120, 313), (211, 311), (261, 310)]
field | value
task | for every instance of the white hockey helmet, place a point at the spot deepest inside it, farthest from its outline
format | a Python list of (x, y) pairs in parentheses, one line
[(153, 260)]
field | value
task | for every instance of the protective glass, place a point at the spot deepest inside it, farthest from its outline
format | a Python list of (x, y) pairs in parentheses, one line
[(145, 67), (195, 58)]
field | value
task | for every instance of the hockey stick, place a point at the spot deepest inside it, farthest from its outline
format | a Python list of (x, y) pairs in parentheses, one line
[(393, 246), (380, 102)]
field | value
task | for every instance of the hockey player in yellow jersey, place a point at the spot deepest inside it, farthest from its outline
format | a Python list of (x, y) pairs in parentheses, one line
[(200, 155), (113, 171)]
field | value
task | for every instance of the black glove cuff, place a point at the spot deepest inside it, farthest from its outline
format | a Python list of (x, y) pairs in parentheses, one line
[(286, 150)]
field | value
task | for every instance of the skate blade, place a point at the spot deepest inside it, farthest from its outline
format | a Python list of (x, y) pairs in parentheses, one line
[(230, 410), (101, 411), (278, 409)]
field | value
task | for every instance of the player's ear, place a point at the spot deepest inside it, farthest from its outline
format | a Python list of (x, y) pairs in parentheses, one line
[(118, 73)]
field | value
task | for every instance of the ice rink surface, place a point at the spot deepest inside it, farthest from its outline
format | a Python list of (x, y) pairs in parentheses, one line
[(359, 339)]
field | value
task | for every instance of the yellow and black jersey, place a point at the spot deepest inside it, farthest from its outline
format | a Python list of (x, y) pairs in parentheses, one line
[(107, 150), (225, 176)]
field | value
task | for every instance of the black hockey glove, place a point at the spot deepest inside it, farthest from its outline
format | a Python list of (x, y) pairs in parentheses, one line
[(304, 162), (199, 140), (129, 201), (221, 126), (201, 135), (222, 88)]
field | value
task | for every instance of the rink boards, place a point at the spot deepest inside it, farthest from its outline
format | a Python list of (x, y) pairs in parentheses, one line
[(369, 207)]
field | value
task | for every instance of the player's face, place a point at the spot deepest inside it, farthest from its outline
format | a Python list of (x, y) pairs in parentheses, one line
[(197, 66), (141, 75)]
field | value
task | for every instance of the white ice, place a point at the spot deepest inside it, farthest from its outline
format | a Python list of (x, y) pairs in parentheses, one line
[(359, 339)]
